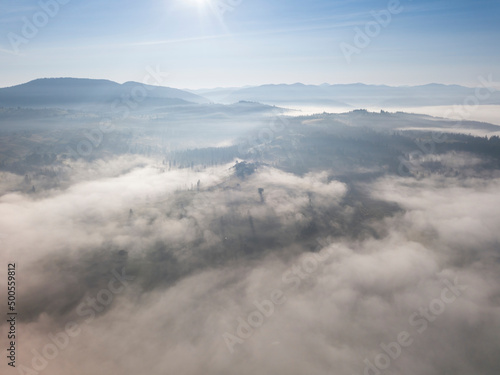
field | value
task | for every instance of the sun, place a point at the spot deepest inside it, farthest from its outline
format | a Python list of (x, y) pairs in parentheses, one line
[(199, 3), (210, 9)]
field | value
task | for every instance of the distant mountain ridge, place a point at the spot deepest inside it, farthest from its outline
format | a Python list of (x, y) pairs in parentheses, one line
[(349, 95), (83, 92)]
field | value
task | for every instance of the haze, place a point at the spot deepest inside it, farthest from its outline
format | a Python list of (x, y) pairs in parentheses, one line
[(250, 187)]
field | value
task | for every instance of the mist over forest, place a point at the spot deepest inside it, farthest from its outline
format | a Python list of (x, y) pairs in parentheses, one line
[(170, 233)]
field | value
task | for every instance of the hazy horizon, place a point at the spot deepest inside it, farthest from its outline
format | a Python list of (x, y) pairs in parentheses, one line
[(215, 43), (249, 85)]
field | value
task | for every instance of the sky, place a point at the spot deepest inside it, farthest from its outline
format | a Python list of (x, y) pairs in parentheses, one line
[(228, 43)]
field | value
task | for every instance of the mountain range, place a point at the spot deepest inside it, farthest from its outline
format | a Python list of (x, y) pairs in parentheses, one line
[(91, 93), (84, 93), (349, 95)]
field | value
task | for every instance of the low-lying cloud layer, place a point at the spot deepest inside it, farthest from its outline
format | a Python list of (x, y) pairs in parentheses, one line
[(198, 271)]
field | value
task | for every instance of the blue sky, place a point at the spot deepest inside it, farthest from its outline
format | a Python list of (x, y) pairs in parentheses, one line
[(252, 42)]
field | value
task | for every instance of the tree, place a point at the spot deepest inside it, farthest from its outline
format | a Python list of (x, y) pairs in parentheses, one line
[(261, 190)]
